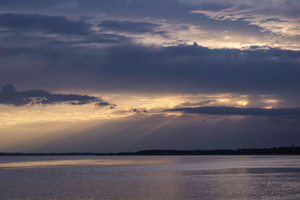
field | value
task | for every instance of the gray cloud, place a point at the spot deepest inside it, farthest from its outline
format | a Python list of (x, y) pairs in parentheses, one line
[(135, 110), (239, 111), (175, 69), (154, 9), (213, 6), (44, 23), (131, 27), (194, 68), (258, 13), (102, 38), (138, 111), (102, 104), (10, 96), (201, 103)]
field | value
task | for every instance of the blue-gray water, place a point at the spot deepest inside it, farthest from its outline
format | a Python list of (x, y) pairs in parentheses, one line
[(150, 177)]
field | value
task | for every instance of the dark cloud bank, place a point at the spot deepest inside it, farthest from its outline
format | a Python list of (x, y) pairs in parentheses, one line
[(180, 69), (239, 111), (9, 96), (44, 23), (26, 25)]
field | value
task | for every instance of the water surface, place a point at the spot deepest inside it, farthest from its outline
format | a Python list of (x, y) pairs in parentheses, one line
[(150, 177)]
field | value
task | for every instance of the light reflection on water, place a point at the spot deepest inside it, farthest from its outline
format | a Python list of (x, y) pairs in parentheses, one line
[(80, 162), (150, 177)]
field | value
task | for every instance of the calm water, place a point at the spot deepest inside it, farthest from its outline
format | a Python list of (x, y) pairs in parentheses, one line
[(151, 177)]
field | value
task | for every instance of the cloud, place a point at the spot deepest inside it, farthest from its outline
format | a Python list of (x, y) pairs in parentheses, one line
[(131, 27), (135, 110), (137, 68), (239, 111), (102, 38), (192, 68), (281, 18), (138, 111), (102, 104), (9, 96), (211, 31), (213, 6), (34, 29), (44, 23), (201, 103)]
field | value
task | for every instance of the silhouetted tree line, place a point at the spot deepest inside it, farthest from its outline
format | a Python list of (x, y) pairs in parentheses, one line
[(47, 154), (291, 150)]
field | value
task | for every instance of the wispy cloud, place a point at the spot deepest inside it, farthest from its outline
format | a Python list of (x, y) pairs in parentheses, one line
[(278, 17)]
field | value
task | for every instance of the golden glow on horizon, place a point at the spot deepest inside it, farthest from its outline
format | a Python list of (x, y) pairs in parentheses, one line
[(272, 101), (268, 107), (243, 103), (223, 100), (126, 103)]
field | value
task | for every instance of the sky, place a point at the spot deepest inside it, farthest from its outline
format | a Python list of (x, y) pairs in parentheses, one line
[(129, 75)]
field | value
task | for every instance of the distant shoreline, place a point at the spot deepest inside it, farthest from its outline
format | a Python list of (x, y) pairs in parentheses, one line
[(291, 150)]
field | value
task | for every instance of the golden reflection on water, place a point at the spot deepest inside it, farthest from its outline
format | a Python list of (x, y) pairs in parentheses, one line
[(83, 162)]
